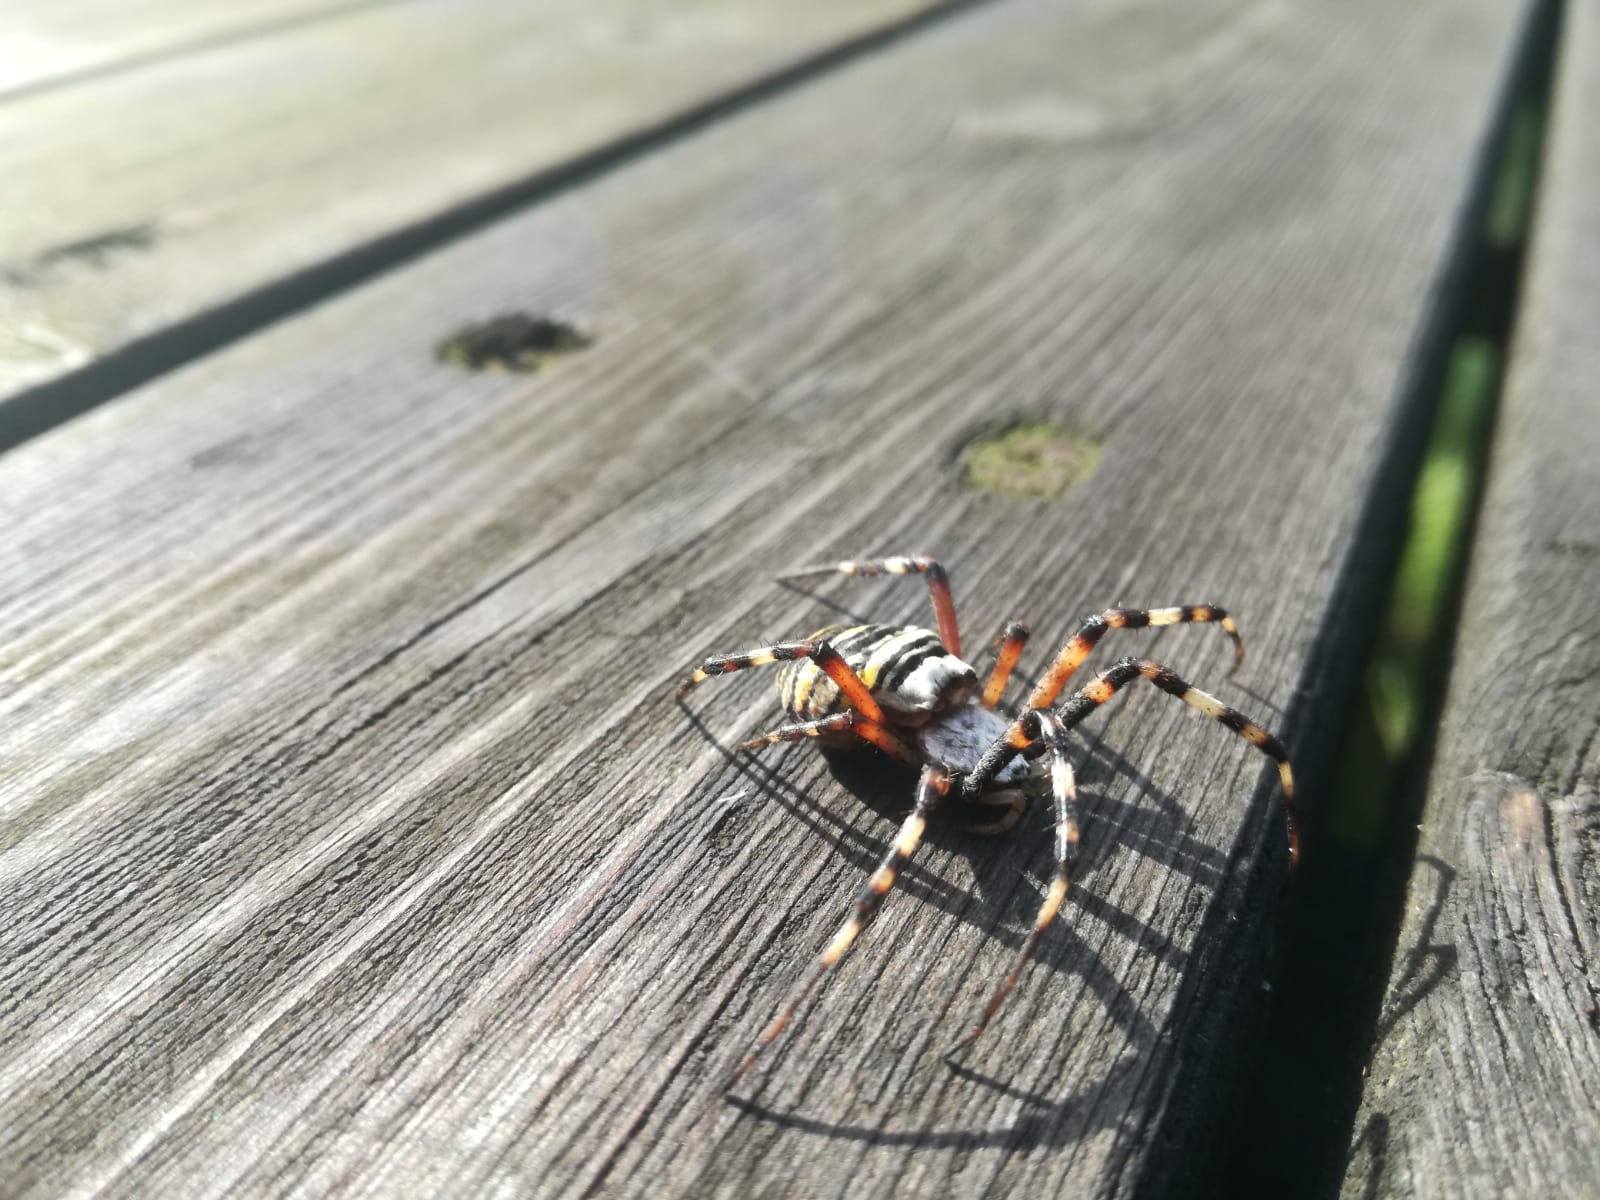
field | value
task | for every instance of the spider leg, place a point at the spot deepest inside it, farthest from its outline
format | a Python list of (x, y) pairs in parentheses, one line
[(869, 722), (1064, 786), (819, 651), (844, 722), (1105, 685), (1041, 727), (1079, 644), (1014, 741), (933, 787), (944, 607), (1011, 642), (1017, 740)]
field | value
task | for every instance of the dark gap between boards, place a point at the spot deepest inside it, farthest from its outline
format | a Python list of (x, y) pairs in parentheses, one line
[(1295, 1119)]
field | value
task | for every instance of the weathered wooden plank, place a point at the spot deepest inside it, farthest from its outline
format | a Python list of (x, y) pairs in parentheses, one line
[(351, 838), (138, 198), (51, 43), (1486, 1076)]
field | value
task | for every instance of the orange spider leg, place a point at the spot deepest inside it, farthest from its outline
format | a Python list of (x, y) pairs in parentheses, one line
[(944, 606), (1011, 641), (1079, 644), (845, 722), (820, 652), (872, 725)]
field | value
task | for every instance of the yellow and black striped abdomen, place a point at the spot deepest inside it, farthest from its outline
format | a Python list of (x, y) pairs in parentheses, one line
[(884, 656)]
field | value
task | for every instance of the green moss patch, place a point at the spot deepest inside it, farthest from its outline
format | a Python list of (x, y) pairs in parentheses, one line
[(1037, 461)]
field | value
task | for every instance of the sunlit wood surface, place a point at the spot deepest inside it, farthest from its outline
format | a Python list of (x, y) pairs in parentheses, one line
[(350, 838), (164, 158)]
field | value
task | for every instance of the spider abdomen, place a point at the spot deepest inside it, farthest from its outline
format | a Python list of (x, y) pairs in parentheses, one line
[(907, 669)]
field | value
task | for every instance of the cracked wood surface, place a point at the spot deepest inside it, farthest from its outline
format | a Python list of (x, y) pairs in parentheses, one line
[(226, 154), (1486, 1076), (350, 837)]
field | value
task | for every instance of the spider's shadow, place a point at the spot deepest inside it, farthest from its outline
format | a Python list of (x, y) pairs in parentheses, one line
[(1021, 859), (1151, 822), (1009, 874), (810, 592), (1042, 1122), (1010, 871)]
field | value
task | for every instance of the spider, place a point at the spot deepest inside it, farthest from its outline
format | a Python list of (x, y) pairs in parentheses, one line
[(907, 691)]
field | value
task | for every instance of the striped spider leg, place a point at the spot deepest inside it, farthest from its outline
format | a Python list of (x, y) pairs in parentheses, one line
[(944, 606), (864, 717), (932, 788), (1009, 644), (1042, 730), (1081, 643), (1008, 649), (1042, 727)]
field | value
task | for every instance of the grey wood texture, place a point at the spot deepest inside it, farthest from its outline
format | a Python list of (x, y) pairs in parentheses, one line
[(350, 837), (1485, 1080), (49, 43), (142, 196)]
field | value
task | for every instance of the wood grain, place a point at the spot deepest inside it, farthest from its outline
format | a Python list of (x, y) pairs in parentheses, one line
[(57, 43), (139, 198), (351, 839), (1486, 1076)]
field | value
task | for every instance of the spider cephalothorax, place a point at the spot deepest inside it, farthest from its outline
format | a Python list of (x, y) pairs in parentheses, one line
[(908, 691)]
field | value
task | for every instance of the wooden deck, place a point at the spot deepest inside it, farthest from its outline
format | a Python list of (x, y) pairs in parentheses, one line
[(351, 840), (1483, 1079)]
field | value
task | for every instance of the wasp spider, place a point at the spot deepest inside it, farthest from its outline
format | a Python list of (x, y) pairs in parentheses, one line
[(909, 692)]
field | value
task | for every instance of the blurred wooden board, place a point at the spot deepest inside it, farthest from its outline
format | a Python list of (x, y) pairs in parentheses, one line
[(142, 197), (55, 43), (1484, 1079), (350, 836)]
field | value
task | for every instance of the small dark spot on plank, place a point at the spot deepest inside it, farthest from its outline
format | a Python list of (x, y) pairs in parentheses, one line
[(513, 342), (94, 252), (1039, 461), (1577, 549), (233, 452)]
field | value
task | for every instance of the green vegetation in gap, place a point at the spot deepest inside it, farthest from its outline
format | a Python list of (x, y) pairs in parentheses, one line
[(1328, 987), (1407, 661), (1511, 203), (1402, 671)]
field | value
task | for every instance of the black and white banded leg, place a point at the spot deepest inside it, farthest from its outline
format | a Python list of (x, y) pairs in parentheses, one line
[(1031, 733), (846, 722), (1101, 688), (1078, 646), (932, 788), (1044, 727)]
